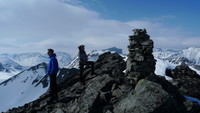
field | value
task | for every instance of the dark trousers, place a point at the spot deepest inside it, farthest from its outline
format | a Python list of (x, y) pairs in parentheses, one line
[(53, 87), (81, 66)]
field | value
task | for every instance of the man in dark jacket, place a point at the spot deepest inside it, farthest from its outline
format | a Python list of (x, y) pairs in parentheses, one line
[(83, 60), (52, 72)]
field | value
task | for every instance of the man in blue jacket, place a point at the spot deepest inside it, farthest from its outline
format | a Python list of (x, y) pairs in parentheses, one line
[(52, 72)]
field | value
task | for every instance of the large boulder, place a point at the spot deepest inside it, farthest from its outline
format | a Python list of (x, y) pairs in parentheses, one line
[(187, 81), (149, 97), (112, 64)]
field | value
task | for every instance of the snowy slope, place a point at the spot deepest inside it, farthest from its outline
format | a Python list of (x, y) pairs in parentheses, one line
[(9, 64), (8, 68), (190, 55), (22, 88), (198, 71), (159, 53), (170, 59), (4, 75), (161, 66)]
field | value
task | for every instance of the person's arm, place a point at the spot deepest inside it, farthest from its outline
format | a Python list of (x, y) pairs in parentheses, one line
[(49, 68)]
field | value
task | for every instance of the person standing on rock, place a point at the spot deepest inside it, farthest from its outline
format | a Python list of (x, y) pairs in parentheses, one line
[(83, 60), (52, 72)]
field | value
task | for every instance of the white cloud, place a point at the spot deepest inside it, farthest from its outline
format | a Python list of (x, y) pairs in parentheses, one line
[(160, 18), (192, 41), (36, 25), (166, 37)]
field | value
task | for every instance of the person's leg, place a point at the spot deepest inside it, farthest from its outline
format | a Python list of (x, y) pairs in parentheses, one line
[(55, 87), (51, 87), (92, 66), (82, 78)]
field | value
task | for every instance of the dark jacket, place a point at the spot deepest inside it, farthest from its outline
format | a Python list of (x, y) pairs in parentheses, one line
[(53, 65), (83, 56)]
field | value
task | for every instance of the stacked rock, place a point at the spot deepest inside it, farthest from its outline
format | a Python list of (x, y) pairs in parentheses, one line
[(141, 62)]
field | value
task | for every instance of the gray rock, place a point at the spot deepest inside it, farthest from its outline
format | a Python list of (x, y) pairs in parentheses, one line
[(145, 99), (57, 110), (92, 92), (187, 80)]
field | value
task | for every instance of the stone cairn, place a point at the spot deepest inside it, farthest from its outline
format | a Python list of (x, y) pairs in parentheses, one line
[(140, 62)]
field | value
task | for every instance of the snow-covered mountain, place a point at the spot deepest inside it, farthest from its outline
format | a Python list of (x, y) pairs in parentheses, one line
[(159, 53), (8, 68), (8, 65), (31, 59), (11, 64), (23, 87), (170, 59), (28, 85), (190, 55)]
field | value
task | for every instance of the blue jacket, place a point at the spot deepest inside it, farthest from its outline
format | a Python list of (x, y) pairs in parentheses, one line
[(53, 65)]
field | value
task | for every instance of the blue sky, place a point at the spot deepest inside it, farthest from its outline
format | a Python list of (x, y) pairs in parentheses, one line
[(175, 13), (35, 25)]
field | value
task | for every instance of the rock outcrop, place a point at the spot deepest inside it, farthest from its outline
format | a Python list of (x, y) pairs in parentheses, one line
[(150, 97), (98, 95), (187, 80)]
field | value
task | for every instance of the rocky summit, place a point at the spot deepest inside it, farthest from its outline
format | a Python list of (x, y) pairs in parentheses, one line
[(110, 91)]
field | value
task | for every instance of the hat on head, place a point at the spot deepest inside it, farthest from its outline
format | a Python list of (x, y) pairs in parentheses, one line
[(51, 50), (81, 46)]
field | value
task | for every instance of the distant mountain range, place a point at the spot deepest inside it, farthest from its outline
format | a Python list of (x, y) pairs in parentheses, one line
[(189, 56), (10, 64), (171, 58), (31, 59)]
